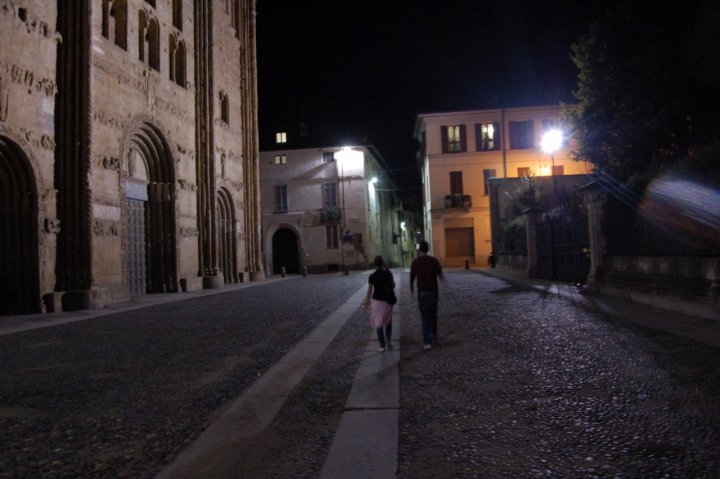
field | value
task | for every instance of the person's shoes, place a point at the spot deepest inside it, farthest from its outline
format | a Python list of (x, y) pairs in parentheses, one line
[(381, 349), (427, 346), (389, 346)]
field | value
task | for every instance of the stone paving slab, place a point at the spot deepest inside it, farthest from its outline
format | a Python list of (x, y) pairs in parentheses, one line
[(365, 446), (366, 442), (214, 453)]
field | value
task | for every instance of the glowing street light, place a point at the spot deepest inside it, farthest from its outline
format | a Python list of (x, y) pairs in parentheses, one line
[(551, 142), (347, 159)]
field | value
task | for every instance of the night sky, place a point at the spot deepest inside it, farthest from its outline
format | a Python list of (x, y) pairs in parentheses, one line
[(345, 67)]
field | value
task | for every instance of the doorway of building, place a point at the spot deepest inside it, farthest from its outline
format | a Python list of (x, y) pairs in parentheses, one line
[(150, 192), (19, 265), (459, 246), (285, 251)]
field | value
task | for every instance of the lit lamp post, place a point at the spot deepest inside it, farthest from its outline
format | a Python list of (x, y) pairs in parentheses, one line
[(345, 158), (551, 142)]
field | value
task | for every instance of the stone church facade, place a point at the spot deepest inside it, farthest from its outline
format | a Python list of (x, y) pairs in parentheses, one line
[(128, 150)]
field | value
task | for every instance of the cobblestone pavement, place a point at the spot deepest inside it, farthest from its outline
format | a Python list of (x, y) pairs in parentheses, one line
[(524, 385), (121, 395), (528, 385)]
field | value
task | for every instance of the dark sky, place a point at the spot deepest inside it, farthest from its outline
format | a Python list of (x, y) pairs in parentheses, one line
[(345, 66)]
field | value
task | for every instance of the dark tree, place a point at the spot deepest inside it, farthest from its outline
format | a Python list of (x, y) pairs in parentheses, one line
[(647, 87)]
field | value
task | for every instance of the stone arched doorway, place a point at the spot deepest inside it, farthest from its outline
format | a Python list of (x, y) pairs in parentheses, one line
[(19, 267), (285, 251), (227, 233), (150, 195)]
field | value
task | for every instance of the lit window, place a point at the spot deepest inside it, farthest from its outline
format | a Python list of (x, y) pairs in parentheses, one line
[(281, 137), (280, 159), (453, 139), (487, 136), (281, 203)]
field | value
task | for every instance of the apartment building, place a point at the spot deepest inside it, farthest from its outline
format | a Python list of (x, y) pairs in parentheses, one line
[(329, 209), (461, 150)]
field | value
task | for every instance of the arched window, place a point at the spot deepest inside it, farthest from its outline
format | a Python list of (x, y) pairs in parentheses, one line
[(172, 52), (142, 36), (177, 14), (154, 44), (149, 41), (177, 60), (114, 22), (180, 63), (224, 108)]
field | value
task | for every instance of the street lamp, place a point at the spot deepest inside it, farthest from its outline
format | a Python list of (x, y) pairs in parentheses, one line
[(352, 160), (551, 142)]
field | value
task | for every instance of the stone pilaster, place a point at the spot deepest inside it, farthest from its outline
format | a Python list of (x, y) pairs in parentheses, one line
[(205, 142), (73, 156), (531, 218), (594, 197)]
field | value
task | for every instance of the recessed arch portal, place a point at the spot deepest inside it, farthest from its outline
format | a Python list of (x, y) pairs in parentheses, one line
[(150, 193), (227, 233), (19, 267)]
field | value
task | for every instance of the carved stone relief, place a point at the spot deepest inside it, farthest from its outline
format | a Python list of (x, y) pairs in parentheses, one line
[(103, 227), (110, 163), (189, 232), (21, 76), (51, 225), (186, 185)]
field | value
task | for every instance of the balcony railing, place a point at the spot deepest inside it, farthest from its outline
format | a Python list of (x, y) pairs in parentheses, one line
[(330, 215), (458, 201)]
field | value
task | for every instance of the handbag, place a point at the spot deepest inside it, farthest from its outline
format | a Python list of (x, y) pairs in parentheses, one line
[(392, 299)]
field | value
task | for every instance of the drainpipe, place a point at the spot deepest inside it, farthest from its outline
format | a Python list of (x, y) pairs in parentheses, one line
[(503, 143)]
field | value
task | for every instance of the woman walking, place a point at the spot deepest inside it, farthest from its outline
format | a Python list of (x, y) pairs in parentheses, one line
[(381, 287)]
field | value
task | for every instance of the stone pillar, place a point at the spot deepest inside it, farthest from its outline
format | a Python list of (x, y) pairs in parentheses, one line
[(251, 149), (531, 218), (594, 197), (205, 143)]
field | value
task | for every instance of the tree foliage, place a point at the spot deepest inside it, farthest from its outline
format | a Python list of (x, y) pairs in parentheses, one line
[(644, 100)]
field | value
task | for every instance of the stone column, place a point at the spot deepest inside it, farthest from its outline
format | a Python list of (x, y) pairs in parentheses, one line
[(205, 145), (531, 218), (73, 157), (251, 149), (594, 197)]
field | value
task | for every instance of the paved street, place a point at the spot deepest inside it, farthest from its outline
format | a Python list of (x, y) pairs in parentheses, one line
[(525, 383)]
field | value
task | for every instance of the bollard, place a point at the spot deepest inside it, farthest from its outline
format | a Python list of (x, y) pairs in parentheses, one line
[(467, 264), (304, 271), (282, 271), (346, 271)]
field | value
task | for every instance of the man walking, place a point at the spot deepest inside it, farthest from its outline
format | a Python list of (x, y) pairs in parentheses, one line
[(427, 270)]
